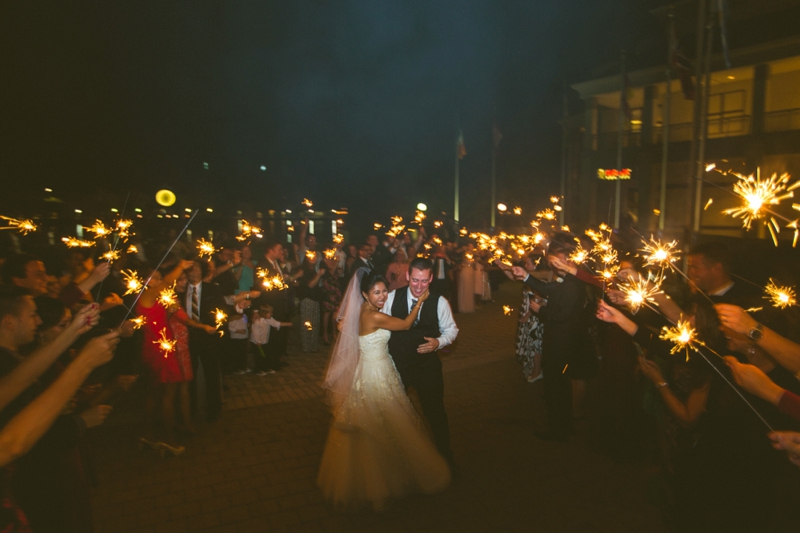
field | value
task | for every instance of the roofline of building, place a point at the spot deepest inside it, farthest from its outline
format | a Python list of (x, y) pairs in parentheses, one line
[(750, 56)]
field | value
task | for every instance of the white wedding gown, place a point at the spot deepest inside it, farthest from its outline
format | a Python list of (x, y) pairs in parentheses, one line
[(377, 448)]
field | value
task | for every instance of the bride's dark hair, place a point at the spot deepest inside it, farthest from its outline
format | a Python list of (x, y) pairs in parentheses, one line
[(372, 279)]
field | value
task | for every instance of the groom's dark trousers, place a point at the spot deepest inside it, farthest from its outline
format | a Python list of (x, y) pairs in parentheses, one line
[(423, 372)]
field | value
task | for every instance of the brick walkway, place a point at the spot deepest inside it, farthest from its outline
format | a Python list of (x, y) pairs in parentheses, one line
[(254, 470)]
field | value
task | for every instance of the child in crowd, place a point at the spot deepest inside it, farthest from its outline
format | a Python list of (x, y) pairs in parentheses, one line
[(264, 352), (237, 327)]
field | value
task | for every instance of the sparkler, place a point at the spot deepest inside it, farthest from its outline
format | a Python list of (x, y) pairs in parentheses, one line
[(507, 310), (110, 256), (338, 238), (330, 254), (72, 242), (311, 255), (167, 345), (123, 229), (138, 322), (308, 203), (758, 194), (308, 325), (24, 226), (517, 210), (167, 297), (662, 255), (205, 248), (641, 291), (781, 297), (248, 230), (98, 229), (682, 335), (274, 283), (132, 282), (419, 217), (219, 319), (132, 249), (579, 255)]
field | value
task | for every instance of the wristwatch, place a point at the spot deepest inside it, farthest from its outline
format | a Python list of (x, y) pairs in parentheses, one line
[(756, 333)]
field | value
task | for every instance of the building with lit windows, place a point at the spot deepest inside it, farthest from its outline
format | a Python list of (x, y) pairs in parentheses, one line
[(752, 122)]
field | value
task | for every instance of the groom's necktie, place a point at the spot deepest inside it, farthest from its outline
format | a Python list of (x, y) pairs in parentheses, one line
[(413, 303)]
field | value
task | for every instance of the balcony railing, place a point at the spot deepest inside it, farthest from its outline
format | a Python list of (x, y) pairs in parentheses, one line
[(784, 120), (717, 128)]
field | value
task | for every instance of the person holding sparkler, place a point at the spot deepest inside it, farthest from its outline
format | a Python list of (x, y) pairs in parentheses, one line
[(708, 430), (164, 368), (566, 346), (199, 301)]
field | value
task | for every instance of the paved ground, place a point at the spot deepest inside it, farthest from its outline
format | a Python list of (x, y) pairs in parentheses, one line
[(254, 470)]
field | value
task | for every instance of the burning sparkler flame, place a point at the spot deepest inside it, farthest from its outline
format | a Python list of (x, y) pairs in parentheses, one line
[(167, 345), (132, 282), (781, 297), (641, 291), (167, 297), (662, 255), (758, 194), (205, 248), (682, 334)]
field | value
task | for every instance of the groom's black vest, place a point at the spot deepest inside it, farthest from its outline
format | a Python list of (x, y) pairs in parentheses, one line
[(403, 344)]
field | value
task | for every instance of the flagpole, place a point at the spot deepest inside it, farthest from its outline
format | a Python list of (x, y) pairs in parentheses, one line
[(494, 179), (665, 120), (618, 188), (562, 215), (455, 203), (701, 24), (703, 131)]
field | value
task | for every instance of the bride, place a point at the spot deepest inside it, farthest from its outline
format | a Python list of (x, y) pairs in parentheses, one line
[(377, 448)]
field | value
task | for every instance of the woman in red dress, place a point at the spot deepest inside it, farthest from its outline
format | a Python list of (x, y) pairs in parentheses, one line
[(165, 370)]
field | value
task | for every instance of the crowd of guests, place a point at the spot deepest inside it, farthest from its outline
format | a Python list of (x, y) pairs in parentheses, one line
[(719, 471), (70, 347), (69, 350)]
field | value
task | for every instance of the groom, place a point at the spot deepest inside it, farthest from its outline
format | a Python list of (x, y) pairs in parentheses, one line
[(414, 350)]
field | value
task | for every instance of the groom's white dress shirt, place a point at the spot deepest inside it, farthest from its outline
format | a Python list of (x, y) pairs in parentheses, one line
[(448, 331)]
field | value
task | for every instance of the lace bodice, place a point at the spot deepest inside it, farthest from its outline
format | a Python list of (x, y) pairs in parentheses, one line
[(375, 344)]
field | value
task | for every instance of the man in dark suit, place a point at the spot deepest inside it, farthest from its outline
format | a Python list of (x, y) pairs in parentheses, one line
[(414, 350), (199, 301), (381, 254), (364, 259), (565, 343)]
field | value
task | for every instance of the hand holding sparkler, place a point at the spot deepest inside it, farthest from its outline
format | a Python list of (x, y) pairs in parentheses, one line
[(519, 273), (99, 350), (559, 264), (754, 381), (735, 318), (85, 319), (788, 441)]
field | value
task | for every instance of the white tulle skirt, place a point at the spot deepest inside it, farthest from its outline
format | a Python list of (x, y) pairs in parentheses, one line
[(377, 449)]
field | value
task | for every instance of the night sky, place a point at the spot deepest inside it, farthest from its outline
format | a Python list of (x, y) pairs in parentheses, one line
[(352, 103)]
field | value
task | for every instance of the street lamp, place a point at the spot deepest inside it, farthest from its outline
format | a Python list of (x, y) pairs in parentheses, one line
[(422, 207), (502, 207)]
